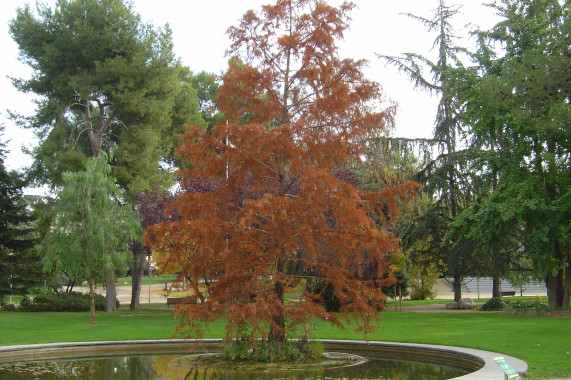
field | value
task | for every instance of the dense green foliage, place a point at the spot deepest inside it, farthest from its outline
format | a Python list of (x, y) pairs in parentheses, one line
[(326, 295), (73, 301), (537, 307), (107, 82), (20, 267), (501, 203), (91, 227), (517, 104)]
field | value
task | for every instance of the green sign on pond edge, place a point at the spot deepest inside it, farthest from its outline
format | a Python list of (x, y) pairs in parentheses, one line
[(510, 372)]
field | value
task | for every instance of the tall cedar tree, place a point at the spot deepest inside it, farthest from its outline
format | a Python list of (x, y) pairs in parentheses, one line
[(275, 215), (444, 178)]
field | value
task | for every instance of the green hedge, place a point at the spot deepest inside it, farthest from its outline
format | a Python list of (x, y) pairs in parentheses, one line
[(73, 301)]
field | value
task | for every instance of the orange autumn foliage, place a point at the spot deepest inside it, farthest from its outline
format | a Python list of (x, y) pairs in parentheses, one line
[(274, 216)]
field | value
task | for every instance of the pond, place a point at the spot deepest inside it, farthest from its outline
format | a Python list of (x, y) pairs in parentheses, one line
[(182, 365)]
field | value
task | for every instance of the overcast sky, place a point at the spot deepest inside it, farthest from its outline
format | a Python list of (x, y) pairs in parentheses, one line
[(199, 28)]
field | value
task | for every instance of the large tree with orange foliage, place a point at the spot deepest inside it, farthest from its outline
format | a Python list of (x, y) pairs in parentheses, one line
[(270, 214)]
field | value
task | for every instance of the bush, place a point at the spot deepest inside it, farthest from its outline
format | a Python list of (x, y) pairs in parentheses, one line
[(494, 304), (73, 301), (421, 291), (422, 282), (523, 308)]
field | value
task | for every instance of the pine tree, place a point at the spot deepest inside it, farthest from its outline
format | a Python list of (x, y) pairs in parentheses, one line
[(18, 263), (445, 177)]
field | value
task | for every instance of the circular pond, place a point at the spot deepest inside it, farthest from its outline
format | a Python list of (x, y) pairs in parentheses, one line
[(183, 360)]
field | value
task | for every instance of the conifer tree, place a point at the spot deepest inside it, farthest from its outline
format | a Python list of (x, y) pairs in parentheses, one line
[(18, 262), (445, 177), (269, 214), (106, 81)]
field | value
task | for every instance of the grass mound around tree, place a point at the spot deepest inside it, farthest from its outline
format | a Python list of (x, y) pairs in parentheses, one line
[(290, 351)]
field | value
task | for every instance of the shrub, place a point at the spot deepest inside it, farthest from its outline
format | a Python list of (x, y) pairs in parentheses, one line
[(494, 304), (422, 282), (73, 301), (520, 307)]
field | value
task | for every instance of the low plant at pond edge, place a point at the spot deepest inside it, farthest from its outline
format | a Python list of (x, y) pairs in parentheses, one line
[(290, 351)]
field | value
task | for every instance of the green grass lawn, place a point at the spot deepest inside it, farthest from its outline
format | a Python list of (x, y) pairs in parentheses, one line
[(544, 343), (160, 279), (391, 302)]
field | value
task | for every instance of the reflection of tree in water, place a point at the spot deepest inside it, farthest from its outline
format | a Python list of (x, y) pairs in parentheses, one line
[(138, 368), (52, 369), (396, 370), (171, 367), (204, 374), (164, 368)]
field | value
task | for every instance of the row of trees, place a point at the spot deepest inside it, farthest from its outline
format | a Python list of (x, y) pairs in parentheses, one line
[(500, 185), (107, 82)]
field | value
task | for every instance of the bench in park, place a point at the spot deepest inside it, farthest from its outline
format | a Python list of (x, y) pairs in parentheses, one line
[(180, 300), (508, 293)]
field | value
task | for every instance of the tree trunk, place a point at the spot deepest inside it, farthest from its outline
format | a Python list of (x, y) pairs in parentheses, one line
[(560, 284), (567, 289), (556, 291), (551, 291), (457, 283), (496, 281), (91, 299), (109, 368), (110, 290), (277, 329), (137, 279)]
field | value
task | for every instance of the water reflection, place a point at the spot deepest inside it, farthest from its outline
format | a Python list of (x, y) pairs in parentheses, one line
[(170, 367)]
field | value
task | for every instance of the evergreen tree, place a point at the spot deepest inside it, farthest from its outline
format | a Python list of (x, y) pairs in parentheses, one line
[(18, 262), (106, 82), (445, 178)]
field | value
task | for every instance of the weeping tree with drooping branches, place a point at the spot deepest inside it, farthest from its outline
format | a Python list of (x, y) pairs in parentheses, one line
[(270, 214)]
